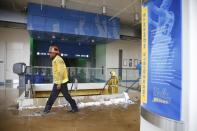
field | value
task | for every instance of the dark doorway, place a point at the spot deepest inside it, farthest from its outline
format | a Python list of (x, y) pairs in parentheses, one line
[(120, 63)]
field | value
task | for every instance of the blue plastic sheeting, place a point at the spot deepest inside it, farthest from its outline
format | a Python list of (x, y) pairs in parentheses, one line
[(60, 20)]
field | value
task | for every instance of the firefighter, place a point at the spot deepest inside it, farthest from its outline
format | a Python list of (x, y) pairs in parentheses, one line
[(113, 83), (60, 79)]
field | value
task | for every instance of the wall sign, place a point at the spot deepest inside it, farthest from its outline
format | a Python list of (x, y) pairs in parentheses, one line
[(161, 57)]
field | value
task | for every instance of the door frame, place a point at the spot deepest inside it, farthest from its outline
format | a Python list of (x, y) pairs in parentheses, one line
[(120, 58), (2, 62)]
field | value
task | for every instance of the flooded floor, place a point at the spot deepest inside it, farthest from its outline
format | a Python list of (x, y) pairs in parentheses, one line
[(102, 118)]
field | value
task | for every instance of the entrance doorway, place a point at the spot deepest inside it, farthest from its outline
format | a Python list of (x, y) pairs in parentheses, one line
[(2, 63)]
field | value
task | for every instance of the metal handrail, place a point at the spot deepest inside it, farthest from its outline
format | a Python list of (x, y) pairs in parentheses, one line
[(87, 74)]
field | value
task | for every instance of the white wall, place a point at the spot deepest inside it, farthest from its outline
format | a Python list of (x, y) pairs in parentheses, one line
[(189, 105), (107, 55), (12, 17), (193, 67), (131, 50), (100, 55), (17, 48)]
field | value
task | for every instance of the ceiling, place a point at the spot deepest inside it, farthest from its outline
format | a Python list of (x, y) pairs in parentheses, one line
[(124, 9)]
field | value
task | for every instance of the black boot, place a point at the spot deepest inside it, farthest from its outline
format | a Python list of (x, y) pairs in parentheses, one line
[(74, 110), (47, 109)]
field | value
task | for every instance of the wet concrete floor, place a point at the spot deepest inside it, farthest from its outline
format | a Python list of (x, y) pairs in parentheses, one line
[(102, 118)]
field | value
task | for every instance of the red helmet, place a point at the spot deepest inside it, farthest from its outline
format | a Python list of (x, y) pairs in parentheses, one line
[(54, 49)]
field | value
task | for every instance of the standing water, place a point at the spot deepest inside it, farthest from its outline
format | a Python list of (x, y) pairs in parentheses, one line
[(92, 118)]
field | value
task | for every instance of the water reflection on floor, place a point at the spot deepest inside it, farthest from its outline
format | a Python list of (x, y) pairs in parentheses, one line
[(102, 118)]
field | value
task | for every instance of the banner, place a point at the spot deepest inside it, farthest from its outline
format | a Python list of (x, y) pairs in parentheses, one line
[(144, 54), (161, 57)]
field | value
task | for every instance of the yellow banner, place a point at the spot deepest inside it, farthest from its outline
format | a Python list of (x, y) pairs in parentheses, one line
[(144, 75)]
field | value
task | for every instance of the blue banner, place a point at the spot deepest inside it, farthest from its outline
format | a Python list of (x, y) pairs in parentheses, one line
[(164, 58), (68, 21)]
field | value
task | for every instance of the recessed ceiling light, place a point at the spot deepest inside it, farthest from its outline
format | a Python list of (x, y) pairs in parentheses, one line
[(104, 10), (53, 36)]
